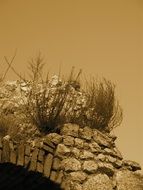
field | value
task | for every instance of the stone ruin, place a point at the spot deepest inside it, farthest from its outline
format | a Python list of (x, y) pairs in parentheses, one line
[(77, 159)]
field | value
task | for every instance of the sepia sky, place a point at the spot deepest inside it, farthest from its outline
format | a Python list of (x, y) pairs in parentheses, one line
[(104, 38)]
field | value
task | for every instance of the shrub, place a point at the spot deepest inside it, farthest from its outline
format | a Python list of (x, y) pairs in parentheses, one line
[(46, 102), (103, 110), (49, 104)]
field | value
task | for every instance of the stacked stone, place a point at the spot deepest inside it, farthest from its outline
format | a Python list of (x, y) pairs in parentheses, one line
[(87, 158), (34, 156)]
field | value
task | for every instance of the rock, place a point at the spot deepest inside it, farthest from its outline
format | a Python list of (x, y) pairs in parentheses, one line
[(78, 176), (106, 168), (117, 153), (68, 140), (98, 182), (76, 152), (111, 159), (101, 157), (86, 155), (86, 133), (62, 150), (54, 137), (127, 180), (90, 166), (94, 147), (56, 163), (79, 143), (70, 164), (102, 139), (134, 165), (70, 129)]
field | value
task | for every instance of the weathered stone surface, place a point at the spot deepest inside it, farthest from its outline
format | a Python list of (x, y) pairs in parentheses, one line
[(75, 152), (98, 182), (78, 176), (110, 159), (86, 133), (102, 139), (48, 164), (117, 153), (106, 168), (127, 180), (79, 143), (26, 160), (39, 167), (134, 165), (94, 147), (101, 157), (56, 163), (41, 155), (74, 186), (70, 164), (68, 140), (47, 148), (53, 176), (70, 129), (90, 166), (48, 143), (13, 156), (62, 150), (6, 151), (27, 150), (33, 163), (54, 138), (118, 164), (60, 175), (86, 155), (20, 159)]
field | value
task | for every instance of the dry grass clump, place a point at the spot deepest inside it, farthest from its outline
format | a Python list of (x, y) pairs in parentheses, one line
[(104, 111)]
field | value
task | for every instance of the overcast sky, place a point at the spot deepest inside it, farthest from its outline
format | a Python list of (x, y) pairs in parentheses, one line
[(104, 38)]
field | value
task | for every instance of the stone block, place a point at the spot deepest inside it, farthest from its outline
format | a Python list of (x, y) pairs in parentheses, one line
[(106, 168), (48, 148), (53, 175), (75, 152), (70, 164), (59, 177), (20, 153), (13, 156), (86, 155), (41, 155), (54, 138), (40, 167), (90, 166), (33, 163), (48, 164), (79, 143), (6, 151), (86, 133), (70, 129), (27, 150), (26, 160), (62, 150), (78, 176), (98, 182), (49, 143), (56, 164), (68, 140)]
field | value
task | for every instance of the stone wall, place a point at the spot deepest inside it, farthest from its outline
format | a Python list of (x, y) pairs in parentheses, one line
[(77, 158)]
